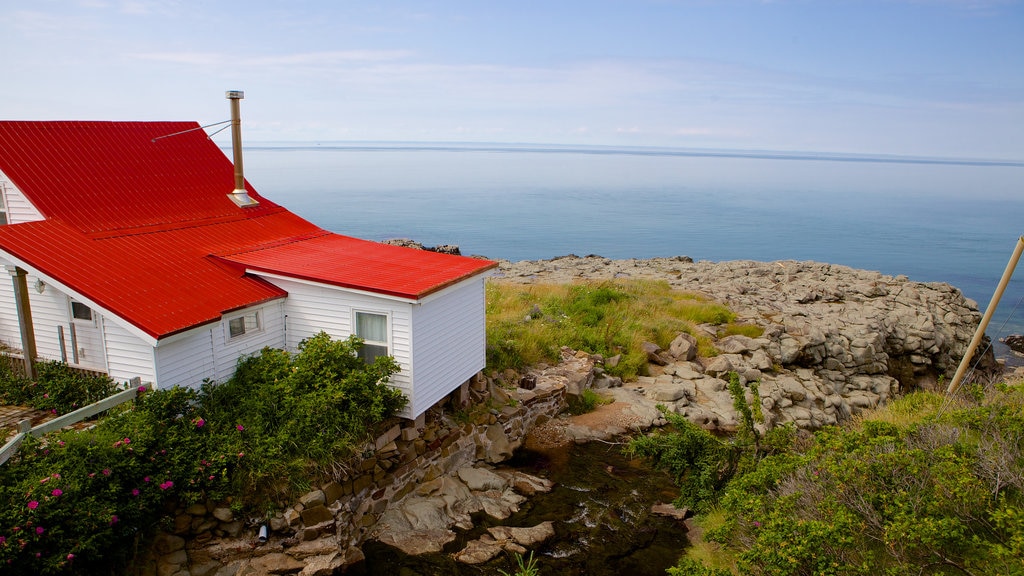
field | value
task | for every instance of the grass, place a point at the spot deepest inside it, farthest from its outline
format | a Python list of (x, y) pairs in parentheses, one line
[(528, 323), (711, 554), (588, 401)]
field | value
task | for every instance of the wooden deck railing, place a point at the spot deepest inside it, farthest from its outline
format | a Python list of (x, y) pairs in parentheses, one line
[(25, 427)]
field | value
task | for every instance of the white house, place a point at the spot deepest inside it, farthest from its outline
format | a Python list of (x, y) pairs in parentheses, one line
[(129, 253)]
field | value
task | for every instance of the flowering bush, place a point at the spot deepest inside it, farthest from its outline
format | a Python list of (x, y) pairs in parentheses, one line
[(75, 501)]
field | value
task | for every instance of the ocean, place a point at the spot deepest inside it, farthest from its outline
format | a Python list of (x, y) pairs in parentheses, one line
[(930, 219)]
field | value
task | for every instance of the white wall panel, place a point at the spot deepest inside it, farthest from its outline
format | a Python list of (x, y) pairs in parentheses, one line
[(19, 209), (187, 359), (449, 335), (127, 356)]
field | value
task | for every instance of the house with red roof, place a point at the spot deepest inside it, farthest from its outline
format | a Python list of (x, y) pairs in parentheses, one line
[(134, 253)]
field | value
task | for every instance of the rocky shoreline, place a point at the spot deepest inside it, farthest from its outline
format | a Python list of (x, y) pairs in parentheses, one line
[(836, 340)]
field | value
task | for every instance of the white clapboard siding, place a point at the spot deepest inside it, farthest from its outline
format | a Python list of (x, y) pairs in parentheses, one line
[(19, 209), (227, 351), (128, 356), (449, 333), (187, 359), (313, 308)]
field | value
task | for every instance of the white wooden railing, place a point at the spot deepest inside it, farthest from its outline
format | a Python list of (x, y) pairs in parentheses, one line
[(135, 387)]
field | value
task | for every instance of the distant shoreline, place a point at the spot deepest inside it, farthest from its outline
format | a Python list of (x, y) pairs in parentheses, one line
[(798, 155)]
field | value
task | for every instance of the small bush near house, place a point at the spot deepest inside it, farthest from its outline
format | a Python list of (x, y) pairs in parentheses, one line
[(529, 323), (79, 501), (58, 389)]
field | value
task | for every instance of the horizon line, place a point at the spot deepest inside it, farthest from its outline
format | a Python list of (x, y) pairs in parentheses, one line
[(424, 146)]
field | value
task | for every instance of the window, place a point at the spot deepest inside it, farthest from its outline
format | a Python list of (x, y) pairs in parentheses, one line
[(244, 324), (80, 311), (373, 329)]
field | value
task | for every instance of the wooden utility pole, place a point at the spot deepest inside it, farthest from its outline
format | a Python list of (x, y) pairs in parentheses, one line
[(954, 384)]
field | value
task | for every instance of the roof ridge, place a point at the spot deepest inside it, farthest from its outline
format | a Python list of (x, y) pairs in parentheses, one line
[(320, 232), (180, 225)]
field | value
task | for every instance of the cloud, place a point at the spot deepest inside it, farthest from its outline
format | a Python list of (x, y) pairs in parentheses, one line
[(328, 58)]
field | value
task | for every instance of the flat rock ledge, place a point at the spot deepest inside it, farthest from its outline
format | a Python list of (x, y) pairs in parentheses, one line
[(423, 521), (835, 341)]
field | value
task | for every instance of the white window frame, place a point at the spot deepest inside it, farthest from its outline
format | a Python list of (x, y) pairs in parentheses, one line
[(91, 321), (386, 343), (248, 328)]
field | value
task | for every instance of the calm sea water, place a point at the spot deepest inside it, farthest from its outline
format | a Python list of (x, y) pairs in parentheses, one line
[(930, 220)]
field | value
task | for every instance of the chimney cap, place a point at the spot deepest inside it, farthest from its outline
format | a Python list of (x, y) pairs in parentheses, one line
[(234, 95)]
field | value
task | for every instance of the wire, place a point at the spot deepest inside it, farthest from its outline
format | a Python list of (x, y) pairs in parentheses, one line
[(192, 130)]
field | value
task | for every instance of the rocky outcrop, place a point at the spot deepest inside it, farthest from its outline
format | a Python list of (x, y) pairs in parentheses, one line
[(407, 243), (423, 521), (834, 339)]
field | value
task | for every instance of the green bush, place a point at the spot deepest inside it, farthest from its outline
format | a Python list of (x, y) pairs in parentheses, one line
[(937, 491), (58, 388), (78, 500), (286, 413)]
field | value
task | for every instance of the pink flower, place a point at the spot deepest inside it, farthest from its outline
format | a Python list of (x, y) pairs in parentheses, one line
[(127, 440), (114, 519), (240, 454), (57, 492), (106, 471), (33, 505), (166, 485), (199, 422), (44, 480), (239, 427), (40, 530), (3, 540), (71, 556), (46, 395), (146, 479), (135, 491), (211, 476)]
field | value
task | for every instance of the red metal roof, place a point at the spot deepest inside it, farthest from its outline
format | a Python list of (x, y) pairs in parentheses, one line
[(146, 230), (361, 264), (107, 176)]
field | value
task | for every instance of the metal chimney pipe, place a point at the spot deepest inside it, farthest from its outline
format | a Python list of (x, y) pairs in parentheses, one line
[(239, 196)]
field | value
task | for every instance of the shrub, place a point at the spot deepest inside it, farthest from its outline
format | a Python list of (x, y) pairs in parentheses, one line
[(75, 502), (58, 388), (930, 488)]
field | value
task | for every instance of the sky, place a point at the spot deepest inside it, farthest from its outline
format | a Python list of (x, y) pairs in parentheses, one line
[(935, 78)]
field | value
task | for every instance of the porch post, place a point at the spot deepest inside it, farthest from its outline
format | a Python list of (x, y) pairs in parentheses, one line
[(28, 337)]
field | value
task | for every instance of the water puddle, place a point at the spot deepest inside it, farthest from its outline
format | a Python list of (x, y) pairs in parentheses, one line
[(601, 509)]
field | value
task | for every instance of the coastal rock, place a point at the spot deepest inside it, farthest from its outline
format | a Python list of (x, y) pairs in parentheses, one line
[(835, 340), (1015, 342)]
